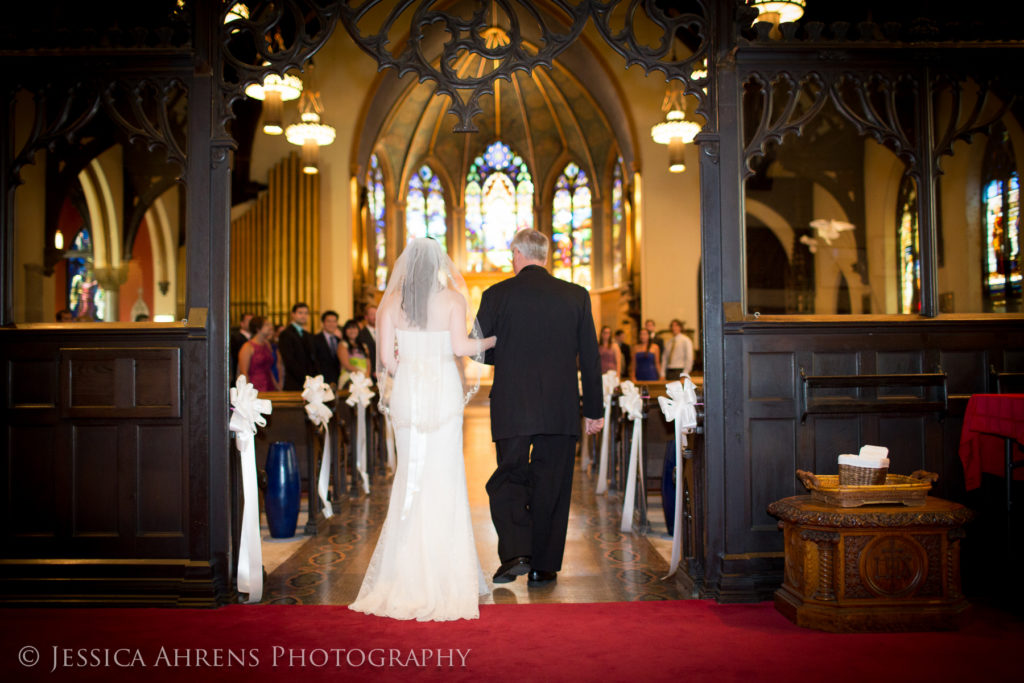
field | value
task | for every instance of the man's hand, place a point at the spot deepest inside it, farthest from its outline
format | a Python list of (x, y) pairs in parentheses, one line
[(593, 426)]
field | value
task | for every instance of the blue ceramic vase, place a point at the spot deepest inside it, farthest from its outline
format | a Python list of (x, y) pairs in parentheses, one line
[(283, 489), (668, 486)]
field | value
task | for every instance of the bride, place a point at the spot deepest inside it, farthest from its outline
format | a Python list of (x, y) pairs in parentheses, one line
[(425, 565)]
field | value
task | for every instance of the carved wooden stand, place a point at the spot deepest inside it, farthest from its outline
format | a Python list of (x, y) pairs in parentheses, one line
[(872, 568)]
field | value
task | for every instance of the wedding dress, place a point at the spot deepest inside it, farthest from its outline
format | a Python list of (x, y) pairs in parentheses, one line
[(425, 565)]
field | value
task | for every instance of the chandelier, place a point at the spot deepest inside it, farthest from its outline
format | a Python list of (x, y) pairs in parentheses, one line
[(675, 131), (310, 134), (274, 92), (778, 12)]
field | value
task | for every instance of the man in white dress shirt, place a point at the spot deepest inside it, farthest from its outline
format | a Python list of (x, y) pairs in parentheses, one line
[(678, 357)]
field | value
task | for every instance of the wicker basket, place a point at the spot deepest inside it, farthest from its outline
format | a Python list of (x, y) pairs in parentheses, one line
[(850, 475), (896, 490)]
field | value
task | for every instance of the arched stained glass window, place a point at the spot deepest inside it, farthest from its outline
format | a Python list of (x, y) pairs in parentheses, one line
[(375, 202), (425, 208), (1001, 272), (908, 248), (571, 226), (618, 224), (499, 203)]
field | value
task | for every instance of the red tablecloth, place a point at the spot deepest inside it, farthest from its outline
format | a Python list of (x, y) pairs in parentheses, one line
[(989, 419)]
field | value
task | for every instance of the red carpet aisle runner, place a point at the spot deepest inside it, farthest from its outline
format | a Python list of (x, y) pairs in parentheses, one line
[(640, 641)]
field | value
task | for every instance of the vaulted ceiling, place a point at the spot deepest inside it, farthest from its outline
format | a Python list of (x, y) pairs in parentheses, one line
[(572, 112)]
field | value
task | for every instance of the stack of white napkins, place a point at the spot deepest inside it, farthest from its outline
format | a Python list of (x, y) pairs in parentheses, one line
[(870, 456)]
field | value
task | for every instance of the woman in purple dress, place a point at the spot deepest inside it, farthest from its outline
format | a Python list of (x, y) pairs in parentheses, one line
[(611, 358)]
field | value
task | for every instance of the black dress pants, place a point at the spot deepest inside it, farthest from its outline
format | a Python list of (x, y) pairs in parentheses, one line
[(529, 495)]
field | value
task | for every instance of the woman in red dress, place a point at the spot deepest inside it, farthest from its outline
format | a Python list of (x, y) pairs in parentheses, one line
[(256, 359)]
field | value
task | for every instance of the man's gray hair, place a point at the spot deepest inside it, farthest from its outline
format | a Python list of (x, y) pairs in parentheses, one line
[(532, 244)]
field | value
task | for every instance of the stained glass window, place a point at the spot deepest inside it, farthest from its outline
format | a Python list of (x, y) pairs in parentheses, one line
[(909, 251), (499, 203), (571, 226), (85, 298), (378, 223), (1001, 272), (618, 225), (425, 208)]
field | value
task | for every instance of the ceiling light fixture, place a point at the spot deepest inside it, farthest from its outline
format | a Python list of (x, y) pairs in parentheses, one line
[(311, 134), (275, 91), (675, 131), (778, 12)]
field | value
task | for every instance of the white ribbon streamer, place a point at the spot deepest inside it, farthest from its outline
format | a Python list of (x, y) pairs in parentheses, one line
[(247, 414), (680, 408), (359, 396), (633, 408), (316, 392), (610, 382)]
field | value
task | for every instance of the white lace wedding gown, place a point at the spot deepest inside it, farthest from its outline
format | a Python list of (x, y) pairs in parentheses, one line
[(425, 565)]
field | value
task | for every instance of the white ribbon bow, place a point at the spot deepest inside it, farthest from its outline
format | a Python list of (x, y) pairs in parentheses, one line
[(680, 408), (247, 414), (632, 406), (359, 396), (609, 382), (316, 392)]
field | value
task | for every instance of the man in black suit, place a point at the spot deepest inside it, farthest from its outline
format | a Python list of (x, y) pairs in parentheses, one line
[(238, 339), (296, 348), (368, 336), (545, 331), (325, 348)]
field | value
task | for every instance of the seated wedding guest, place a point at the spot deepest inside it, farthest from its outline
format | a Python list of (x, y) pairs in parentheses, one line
[(295, 345), (64, 316), (238, 339), (325, 348), (678, 358), (142, 318), (352, 353), (368, 335), (624, 353), (274, 338), (652, 330), (646, 357), (256, 359), (609, 352)]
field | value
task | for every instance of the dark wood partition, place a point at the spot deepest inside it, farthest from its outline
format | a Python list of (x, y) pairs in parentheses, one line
[(115, 437), (763, 418), (104, 482), (773, 434)]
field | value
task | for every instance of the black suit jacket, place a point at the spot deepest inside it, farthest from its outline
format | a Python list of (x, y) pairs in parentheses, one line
[(544, 328), (297, 354), (237, 342), (371, 346), (327, 363)]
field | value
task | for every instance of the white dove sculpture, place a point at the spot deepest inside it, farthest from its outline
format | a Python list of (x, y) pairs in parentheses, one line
[(829, 229)]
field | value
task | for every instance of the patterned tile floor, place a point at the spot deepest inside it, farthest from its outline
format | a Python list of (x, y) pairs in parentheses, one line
[(601, 563)]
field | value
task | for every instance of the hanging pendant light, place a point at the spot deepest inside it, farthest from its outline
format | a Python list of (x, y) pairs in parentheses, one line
[(311, 134), (784, 11), (778, 12), (275, 91), (675, 131)]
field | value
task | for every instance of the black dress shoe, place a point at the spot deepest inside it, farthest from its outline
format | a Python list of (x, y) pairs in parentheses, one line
[(508, 571), (539, 577)]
